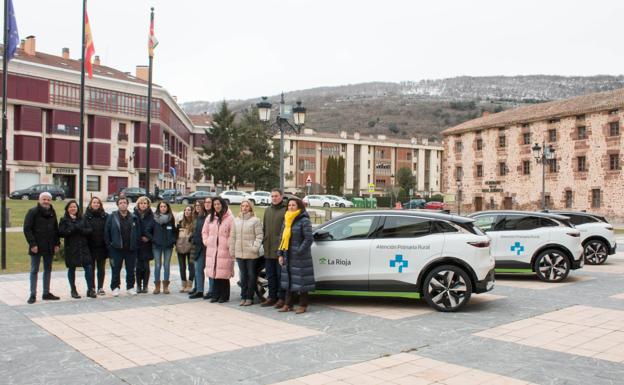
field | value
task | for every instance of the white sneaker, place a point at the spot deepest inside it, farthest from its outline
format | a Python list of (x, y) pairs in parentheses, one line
[(116, 292), (132, 291)]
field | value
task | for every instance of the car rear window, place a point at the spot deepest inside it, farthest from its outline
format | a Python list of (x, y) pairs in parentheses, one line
[(405, 227)]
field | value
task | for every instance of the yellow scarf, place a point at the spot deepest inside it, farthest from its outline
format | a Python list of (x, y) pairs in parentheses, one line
[(289, 218)]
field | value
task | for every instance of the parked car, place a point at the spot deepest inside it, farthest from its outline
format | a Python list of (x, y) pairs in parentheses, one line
[(433, 205), (262, 198), (33, 192), (597, 235), (234, 197), (337, 201), (193, 197), (286, 197), (526, 242), (440, 257), (414, 204), (170, 195), (317, 201), (134, 193)]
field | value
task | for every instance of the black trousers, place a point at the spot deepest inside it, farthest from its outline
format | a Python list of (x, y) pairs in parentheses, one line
[(222, 289), (98, 264), (185, 260), (248, 277)]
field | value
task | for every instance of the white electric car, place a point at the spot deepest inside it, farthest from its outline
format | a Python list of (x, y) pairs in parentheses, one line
[(337, 201), (440, 257), (525, 242), (317, 201), (260, 198), (234, 197), (597, 235)]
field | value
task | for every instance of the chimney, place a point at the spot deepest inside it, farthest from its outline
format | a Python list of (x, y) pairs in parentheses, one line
[(29, 46), (486, 114), (96, 60), (142, 72), (356, 136), (22, 44), (65, 53)]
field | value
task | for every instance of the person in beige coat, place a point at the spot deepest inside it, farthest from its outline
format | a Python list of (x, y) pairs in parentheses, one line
[(245, 240)]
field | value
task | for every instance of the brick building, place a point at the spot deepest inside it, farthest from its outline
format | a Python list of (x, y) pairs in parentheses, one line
[(492, 156), (44, 120)]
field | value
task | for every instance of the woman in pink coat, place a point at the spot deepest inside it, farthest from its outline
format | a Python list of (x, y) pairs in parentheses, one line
[(216, 238)]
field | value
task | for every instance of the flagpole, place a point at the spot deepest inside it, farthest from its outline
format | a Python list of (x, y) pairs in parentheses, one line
[(149, 114), (82, 110), (5, 79)]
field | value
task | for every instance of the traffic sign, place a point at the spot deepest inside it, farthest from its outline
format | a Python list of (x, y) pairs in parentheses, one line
[(309, 181), (371, 187)]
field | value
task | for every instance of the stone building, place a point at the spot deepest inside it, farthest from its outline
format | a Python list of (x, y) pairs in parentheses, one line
[(490, 159)]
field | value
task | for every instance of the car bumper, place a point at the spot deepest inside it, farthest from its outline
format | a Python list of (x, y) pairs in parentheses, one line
[(578, 263), (613, 249), (486, 284)]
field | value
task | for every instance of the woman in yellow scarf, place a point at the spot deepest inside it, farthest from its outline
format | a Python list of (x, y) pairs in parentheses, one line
[(295, 256)]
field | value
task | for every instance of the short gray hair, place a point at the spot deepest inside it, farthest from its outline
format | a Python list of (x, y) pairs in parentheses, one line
[(45, 194)]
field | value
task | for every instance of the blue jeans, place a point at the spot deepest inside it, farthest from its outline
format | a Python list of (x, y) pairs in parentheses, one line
[(200, 265), (273, 273), (35, 260), (117, 259), (159, 253), (88, 272)]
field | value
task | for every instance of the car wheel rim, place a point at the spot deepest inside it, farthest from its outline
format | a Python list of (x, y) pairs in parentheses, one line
[(447, 289), (553, 266), (595, 253)]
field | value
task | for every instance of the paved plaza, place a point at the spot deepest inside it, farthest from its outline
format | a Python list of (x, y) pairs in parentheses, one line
[(523, 332)]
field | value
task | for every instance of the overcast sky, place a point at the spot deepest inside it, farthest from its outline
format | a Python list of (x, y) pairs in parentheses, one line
[(211, 50)]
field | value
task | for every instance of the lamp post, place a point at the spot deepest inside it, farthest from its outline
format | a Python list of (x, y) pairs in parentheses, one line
[(281, 123), (543, 155)]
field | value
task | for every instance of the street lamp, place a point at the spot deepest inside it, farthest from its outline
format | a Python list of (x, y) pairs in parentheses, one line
[(543, 155), (281, 123)]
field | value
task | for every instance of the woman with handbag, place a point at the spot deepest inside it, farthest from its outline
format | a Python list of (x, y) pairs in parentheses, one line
[(185, 248)]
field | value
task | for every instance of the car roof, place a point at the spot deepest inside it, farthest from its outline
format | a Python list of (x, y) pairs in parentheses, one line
[(424, 214), (517, 212), (572, 212)]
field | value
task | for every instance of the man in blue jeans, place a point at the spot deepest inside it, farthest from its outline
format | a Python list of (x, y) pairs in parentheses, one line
[(41, 232), (122, 234), (272, 223)]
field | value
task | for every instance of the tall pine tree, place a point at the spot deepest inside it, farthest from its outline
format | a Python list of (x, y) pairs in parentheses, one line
[(259, 166)]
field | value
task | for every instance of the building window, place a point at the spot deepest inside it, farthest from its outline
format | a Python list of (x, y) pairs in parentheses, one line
[(613, 112), (458, 173), (291, 160), (93, 183), (552, 166), (552, 135), (502, 168), (614, 128), (526, 138), (581, 163), (568, 199), (596, 198), (479, 171), (547, 201), (458, 146), (121, 158), (526, 167), (479, 144), (614, 161), (369, 163), (581, 132), (343, 147), (502, 141)]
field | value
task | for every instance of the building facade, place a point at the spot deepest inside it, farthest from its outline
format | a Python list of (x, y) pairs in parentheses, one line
[(490, 159), (371, 162), (43, 127)]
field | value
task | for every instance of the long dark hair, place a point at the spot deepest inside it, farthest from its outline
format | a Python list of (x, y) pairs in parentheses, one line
[(166, 204), (78, 213), (213, 212)]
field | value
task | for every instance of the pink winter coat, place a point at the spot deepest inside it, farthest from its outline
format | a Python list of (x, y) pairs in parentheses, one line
[(216, 237)]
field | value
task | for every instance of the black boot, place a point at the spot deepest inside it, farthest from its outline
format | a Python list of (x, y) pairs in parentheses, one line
[(74, 293), (91, 293)]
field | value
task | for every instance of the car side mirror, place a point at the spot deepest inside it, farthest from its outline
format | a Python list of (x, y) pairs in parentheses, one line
[(322, 235)]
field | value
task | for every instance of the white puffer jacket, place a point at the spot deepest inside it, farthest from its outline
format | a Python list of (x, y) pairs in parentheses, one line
[(246, 237)]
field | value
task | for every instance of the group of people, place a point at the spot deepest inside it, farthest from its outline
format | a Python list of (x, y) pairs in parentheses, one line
[(208, 240)]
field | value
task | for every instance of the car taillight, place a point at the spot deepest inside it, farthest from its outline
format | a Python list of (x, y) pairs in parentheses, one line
[(480, 244), (574, 234)]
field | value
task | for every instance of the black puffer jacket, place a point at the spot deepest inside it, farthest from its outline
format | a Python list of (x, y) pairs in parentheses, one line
[(76, 233), (41, 230), (298, 274), (164, 235), (97, 242), (146, 225)]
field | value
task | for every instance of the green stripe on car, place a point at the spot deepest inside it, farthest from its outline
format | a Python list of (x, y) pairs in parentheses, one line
[(514, 270)]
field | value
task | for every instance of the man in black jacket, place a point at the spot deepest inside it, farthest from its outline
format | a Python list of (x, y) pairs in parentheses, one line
[(41, 232), (122, 232)]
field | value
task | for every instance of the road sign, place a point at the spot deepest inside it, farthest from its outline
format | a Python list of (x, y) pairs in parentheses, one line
[(371, 187), (309, 181)]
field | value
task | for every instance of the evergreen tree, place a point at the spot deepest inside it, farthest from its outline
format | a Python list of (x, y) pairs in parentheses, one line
[(258, 164), (340, 175), (405, 179)]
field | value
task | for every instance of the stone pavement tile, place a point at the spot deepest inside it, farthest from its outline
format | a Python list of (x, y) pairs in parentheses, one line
[(581, 330), (530, 281), (618, 296), (392, 309), (614, 265), (148, 337), (406, 369)]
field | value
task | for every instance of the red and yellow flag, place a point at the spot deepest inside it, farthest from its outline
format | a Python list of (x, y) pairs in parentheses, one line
[(89, 47), (152, 42)]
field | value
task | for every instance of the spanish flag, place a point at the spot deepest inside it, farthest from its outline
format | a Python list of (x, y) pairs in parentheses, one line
[(89, 47), (152, 42)]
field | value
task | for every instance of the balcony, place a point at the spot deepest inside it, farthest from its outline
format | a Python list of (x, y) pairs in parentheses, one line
[(122, 163), (122, 137)]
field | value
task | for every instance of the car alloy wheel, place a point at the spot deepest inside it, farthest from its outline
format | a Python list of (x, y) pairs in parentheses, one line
[(185, 201), (595, 252), (325, 204), (59, 198), (552, 266), (24, 197), (447, 288)]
